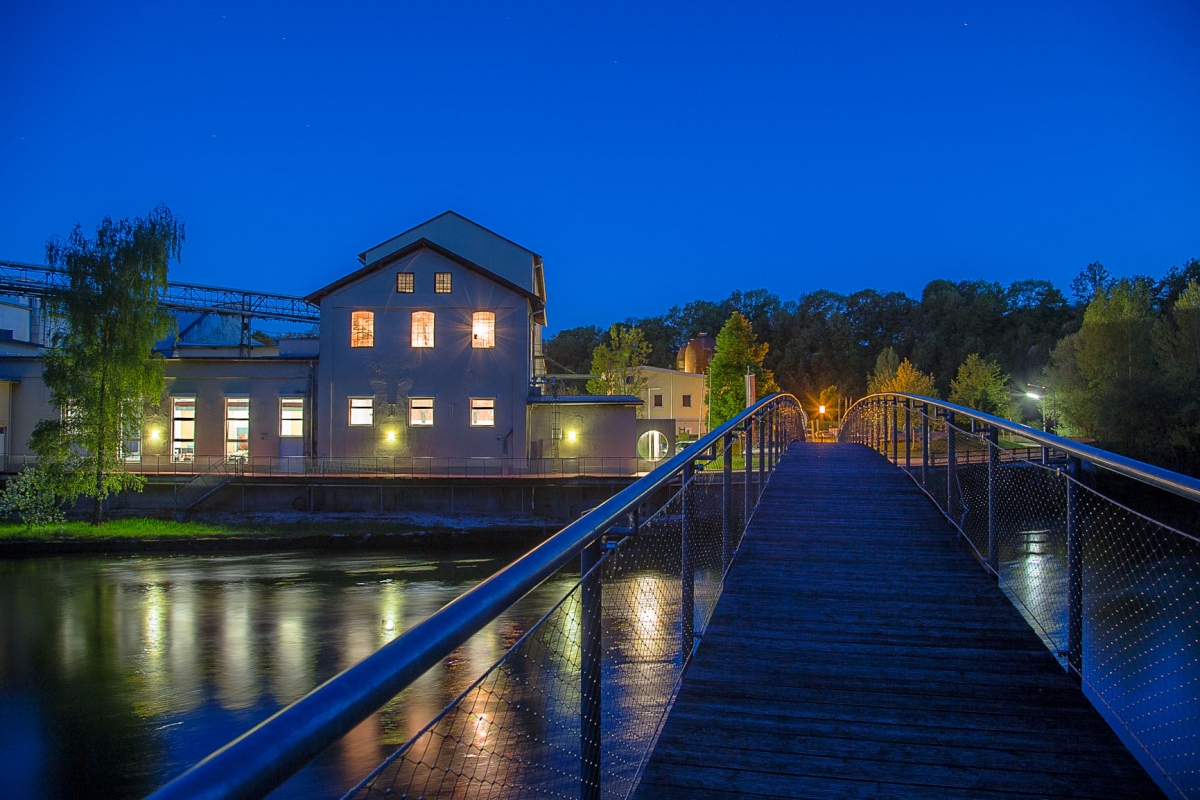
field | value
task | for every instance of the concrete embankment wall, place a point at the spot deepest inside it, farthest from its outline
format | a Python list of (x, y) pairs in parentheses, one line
[(558, 500)]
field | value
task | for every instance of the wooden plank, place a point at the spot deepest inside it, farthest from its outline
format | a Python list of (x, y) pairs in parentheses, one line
[(859, 650)]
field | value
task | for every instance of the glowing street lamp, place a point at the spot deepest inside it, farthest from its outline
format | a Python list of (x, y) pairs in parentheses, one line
[(1037, 396)]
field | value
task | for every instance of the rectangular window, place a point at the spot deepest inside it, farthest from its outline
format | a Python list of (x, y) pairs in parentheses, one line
[(132, 449), (658, 401), (483, 412), (183, 429), (686, 400), (237, 427), (420, 411), (422, 329), (362, 329), (362, 410), (405, 283), (441, 282), (291, 416), (483, 329)]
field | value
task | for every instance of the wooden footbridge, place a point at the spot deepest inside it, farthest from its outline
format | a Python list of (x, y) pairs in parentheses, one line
[(889, 664), (763, 617)]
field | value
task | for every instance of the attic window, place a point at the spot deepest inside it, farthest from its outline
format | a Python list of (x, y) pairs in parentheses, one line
[(405, 283), (441, 282), (362, 329)]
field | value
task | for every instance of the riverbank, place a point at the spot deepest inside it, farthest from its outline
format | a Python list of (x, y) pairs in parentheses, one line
[(222, 533)]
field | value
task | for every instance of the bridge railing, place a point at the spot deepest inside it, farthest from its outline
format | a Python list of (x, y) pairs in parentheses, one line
[(575, 704), (1114, 594)]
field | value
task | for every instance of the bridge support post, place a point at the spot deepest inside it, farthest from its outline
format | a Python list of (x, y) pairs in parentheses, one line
[(951, 511), (769, 452), (727, 502), (591, 602), (775, 437), (1074, 572), (749, 430), (992, 437), (876, 434), (687, 603), (762, 455), (907, 435), (869, 413), (896, 431), (924, 444)]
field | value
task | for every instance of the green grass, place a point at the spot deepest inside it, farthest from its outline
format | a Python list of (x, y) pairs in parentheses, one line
[(142, 528), (119, 529)]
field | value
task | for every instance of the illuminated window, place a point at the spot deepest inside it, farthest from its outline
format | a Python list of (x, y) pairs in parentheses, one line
[(658, 401), (291, 416), (420, 411), (362, 410), (441, 282), (237, 427), (404, 282), (483, 329), (422, 329), (131, 449), (183, 429), (686, 400), (483, 412), (362, 329)]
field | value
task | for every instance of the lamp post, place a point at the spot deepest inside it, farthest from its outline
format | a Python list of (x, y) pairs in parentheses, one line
[(1037, 396)]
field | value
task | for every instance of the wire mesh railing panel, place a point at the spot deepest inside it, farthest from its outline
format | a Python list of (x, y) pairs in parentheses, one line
[(1114, 594), (1031, 547), (524, 729), (1141, 630)]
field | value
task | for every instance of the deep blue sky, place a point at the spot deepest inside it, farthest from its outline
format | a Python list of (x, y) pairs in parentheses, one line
[(652, 153)]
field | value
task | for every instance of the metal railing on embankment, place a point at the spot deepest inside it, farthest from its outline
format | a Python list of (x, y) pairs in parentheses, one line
[(380, 466), (1113, 593), (574, 706)]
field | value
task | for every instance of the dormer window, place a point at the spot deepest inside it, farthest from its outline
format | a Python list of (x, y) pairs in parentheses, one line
[(441, 282)]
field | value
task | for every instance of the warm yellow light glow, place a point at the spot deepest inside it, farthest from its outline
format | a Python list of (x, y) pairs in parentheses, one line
[(155, 433), (571, 436), (822, 410), (391, 436)]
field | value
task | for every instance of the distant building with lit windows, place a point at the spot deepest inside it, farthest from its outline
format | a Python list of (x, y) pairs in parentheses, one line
[(431, 349)]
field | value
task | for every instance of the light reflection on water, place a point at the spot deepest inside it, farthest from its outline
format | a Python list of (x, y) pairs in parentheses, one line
[(118, 673)]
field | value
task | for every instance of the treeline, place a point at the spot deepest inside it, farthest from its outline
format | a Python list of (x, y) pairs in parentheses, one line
[(1031, 329)]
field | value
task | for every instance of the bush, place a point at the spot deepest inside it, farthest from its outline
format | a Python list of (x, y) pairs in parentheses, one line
[(32, 497)]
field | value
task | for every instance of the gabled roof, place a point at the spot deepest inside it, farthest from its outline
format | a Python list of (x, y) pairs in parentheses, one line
[(469, 244), (421, 244)]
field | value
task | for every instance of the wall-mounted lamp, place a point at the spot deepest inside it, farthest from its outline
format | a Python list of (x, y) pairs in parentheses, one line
[(155, 434), (391, 436), (571, 436)]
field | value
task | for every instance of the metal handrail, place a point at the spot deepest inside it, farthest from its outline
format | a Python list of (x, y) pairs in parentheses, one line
[(268, 754), (1158, 477)]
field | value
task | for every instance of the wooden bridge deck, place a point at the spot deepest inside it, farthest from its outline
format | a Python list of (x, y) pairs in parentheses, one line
[(883, 662)]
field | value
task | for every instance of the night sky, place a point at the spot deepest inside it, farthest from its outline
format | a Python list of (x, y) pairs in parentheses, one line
[(652, 153)]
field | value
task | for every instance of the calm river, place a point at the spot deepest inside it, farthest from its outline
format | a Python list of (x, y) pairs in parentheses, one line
[(116, 673)]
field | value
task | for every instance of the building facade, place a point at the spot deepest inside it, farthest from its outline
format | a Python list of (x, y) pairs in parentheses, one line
[(432, 349)]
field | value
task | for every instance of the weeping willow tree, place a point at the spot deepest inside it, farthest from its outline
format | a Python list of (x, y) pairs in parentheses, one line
[(100, 368)]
